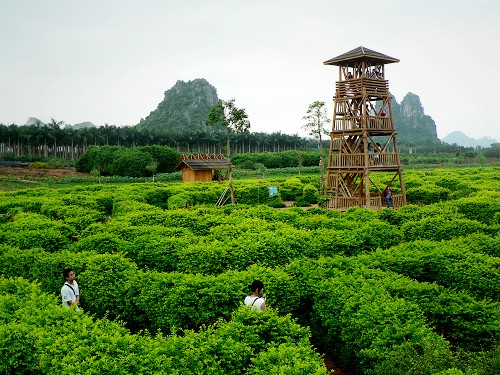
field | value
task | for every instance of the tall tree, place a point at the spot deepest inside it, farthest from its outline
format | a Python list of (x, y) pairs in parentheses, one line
[(317, 119), (235, 120)]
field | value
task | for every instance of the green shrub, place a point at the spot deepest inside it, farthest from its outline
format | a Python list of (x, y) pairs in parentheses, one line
[(310, 193), (103, 243), (370, 326), (48, 239), (166, 157), (291, 189), (97, 157), (104, 284), (427, 194), (39, 165), (440, 228), (130, 162), (156, 252), (276, 203)]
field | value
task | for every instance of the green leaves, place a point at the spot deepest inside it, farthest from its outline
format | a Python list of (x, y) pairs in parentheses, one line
[(226, 113), (129, 162), (394, 290)]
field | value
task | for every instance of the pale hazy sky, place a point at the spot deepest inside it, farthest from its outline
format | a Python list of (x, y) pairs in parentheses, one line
[(110, 61)]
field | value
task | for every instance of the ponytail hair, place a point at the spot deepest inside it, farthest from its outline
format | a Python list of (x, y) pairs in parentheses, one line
[(256, 284)]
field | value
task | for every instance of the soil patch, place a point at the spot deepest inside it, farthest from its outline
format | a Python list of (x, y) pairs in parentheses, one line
[(23, 172), (291, 204), (331, 368)]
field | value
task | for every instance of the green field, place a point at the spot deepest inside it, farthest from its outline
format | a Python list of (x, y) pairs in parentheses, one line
[(408, 291)]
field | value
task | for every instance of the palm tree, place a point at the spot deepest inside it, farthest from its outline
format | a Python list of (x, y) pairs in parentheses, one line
[(55, 131)]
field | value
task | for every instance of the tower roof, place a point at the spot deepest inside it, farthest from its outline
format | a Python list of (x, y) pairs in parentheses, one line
[(361, 53)]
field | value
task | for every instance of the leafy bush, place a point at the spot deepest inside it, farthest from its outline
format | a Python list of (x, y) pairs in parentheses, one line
[(39, 165), (103, 243), (291, 189), (276, 203), (166, 157), (100, 158), (439, 228), (178, 201), (104, 284), (130, 162), (355, 314), (310, 193), (427, 194)]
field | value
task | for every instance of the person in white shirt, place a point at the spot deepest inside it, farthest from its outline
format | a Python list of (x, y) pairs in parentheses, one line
[(256, 300), (69, 292)]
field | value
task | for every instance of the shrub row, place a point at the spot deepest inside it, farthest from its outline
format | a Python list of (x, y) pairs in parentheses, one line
[(132, 162), (38, 336), (169, 301), (451, 264)]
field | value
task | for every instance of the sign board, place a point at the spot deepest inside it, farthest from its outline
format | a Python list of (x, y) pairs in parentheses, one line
[(273, 191)]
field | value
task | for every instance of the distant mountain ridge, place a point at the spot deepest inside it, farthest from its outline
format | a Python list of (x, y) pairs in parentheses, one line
[(411, 122), (185, 107), (34, 121), (81, 125), (463, 140)]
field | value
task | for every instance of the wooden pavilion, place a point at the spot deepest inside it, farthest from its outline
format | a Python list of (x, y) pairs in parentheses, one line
[(203, 167), (363, 136)]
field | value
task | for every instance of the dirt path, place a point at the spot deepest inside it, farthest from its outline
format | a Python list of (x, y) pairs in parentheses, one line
[(332, 369)]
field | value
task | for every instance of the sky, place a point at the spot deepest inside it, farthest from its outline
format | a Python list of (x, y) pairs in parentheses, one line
[(111, 61)]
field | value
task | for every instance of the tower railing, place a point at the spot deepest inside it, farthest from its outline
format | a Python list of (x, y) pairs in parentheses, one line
[(376, 159), (377, 202), (357, 86), (374, 123)]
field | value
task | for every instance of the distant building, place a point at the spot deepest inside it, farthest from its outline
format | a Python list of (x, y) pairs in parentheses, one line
[(203, 168)]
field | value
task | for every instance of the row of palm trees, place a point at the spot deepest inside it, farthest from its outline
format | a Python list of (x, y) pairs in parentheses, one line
[(54, 140)]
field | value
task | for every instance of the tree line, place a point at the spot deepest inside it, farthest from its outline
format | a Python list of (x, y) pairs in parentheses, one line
[(35, 142), (52, 140)]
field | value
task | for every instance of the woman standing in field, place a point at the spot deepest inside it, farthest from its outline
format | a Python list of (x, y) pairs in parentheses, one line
[(388, 196), (256, 300)]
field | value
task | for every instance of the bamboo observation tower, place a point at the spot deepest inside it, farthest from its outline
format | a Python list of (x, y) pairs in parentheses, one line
[(363, 137)]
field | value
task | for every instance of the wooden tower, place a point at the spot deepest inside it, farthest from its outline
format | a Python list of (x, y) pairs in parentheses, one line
[(363, 137)]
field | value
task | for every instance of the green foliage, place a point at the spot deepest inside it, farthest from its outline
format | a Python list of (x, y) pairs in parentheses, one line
[(285, 159), (440, 228), (287, 359), (413, 290), (183, 109), (357, 312), (32, 230), (291, 189), (39, 165), (276, 203), (130, 162), (166, 157), (103, 243), (480, 209), (178, 201), (99, 158), (106, 281), (427, 194), (310, 193)]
